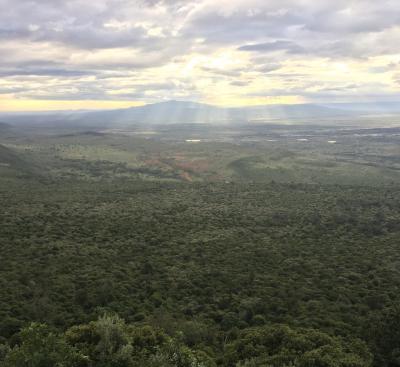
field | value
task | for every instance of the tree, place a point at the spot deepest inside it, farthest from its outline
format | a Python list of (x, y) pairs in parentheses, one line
[(385, 336), (106, 342), (41, 347), (281, 346)]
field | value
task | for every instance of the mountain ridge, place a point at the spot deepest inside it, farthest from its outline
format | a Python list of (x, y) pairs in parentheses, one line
[(173, 111)]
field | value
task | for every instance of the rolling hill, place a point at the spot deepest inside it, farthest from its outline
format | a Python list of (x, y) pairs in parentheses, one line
[(12, 162)]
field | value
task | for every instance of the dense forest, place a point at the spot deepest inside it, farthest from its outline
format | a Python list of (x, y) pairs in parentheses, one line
[(211, 265), (127, 271)]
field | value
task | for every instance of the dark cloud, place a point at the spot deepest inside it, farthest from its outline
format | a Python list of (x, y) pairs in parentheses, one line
[(267, 68), (155, 86), (348, 87), (280, 45), (239, 83), (45, 72), (10, 90), (224, 72), (355, 17)]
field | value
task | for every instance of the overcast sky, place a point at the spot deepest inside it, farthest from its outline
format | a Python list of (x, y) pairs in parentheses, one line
[(113, 53)]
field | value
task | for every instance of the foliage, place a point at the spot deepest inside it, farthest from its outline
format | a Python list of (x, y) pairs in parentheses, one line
[(108, 342), (39, 346), (282, 346)]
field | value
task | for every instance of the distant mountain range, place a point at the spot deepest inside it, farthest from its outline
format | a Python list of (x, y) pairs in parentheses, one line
[(178, 112), (4, 126)]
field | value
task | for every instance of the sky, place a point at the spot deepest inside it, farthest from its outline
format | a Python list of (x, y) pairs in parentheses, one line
[(85, 54)]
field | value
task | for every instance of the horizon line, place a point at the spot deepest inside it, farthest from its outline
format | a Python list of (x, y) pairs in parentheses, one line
[(130, 105)]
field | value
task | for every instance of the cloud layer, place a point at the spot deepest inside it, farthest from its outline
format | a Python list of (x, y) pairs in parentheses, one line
[(231, 52)]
